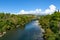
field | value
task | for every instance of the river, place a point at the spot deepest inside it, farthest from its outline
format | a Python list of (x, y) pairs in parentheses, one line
[(32, 31)]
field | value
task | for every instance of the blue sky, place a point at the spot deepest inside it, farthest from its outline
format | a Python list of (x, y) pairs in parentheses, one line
[(14, 6)]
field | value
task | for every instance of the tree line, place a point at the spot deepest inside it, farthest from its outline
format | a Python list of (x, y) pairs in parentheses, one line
[(12, 21), (51, 25)]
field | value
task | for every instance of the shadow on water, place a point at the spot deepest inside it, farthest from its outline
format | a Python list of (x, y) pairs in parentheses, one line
[(32, 31)]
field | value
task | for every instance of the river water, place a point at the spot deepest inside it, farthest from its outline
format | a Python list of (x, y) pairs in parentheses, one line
[(32, 31)]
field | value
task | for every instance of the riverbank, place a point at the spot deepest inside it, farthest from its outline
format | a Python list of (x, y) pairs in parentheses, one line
[(31, 32), (2, 34)]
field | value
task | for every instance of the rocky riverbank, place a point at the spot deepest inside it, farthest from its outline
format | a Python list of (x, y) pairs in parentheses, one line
[(2, 34)]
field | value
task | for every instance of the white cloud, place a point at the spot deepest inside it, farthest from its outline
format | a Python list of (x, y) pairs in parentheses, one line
[(49, 10), (30, 12)]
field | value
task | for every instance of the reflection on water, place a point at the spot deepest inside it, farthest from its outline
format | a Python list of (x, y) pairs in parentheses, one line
[(31, 32)]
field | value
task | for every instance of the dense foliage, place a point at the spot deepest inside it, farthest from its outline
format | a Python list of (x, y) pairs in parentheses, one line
[(51, 25), (11, 21)]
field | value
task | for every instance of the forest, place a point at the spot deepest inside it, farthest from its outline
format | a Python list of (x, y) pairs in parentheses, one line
[(11, 21), (50, 23)]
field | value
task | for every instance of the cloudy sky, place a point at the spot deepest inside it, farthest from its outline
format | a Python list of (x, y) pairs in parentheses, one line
[(29, 6)]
